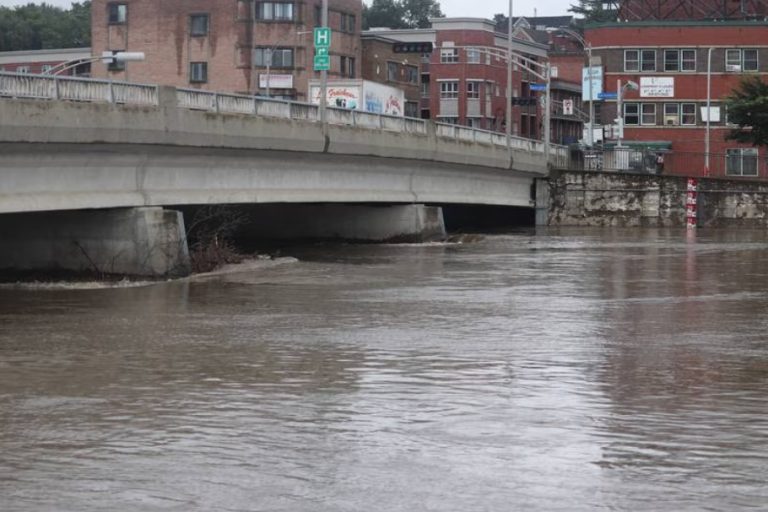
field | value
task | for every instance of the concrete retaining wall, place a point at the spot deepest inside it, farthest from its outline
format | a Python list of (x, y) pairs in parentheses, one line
[(147, 242), (574, 198)]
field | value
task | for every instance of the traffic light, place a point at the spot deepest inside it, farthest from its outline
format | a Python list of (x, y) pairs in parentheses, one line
[(412, 48), (524, 102)]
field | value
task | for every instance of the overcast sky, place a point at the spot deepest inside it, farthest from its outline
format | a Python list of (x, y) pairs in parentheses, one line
[(474, 8)]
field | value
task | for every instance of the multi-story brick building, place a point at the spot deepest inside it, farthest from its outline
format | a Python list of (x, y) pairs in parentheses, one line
[(43, 61), (381, 64), (672, 61), (225, 45)]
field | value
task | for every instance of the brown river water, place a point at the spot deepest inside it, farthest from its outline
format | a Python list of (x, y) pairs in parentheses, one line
[(563, 370)]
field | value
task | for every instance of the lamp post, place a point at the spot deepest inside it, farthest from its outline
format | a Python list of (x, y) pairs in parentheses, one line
[(509, 80), (629, 86), (324, 78), (709, 111), (588, 47), (105, 57)]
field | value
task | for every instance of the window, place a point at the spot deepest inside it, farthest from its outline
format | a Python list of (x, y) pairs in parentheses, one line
[(473, 56), (648, 117), (425, 89), (688, 115), (737, 61), (411, 109), (347, 66), (631, 114), (22, 69), (448, 120), (348, 23), (275, 11), (741, 162), (671, 114), (412, 74), (117, 14), (392, 74), (679, 60), (198, 72), (449, 90), (640, 60), (198, 25), (281, 57), (449, 56), (473, 90)]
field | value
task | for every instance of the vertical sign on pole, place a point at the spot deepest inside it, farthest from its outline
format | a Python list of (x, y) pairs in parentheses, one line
[(322, 46), (692, 203)]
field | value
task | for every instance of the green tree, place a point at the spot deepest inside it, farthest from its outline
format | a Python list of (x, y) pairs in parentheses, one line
[(43, 26), (595, 11), (748, 109), (400, 13)]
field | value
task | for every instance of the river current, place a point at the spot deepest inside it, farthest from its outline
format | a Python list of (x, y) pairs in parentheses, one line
[(558, 370)]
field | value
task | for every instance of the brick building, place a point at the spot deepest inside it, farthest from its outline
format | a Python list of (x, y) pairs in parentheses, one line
[(225, 45), (381, 64), (670, 61), (41, 61)]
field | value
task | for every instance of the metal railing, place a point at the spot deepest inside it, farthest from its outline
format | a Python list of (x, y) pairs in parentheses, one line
[(31, 86)]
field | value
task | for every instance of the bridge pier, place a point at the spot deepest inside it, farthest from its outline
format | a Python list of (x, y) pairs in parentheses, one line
[(370, 223), (146, 242)]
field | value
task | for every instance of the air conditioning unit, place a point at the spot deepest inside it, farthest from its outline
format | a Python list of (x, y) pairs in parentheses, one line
[(733, 68), (671, 120)]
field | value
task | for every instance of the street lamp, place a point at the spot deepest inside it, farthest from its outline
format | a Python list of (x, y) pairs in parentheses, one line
[(106, 57), (709, 111), (588, 47), (629, 86), (509, 80)]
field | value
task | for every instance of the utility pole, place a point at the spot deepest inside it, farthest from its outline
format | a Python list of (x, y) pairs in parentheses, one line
[(324, 79), (509, 80)]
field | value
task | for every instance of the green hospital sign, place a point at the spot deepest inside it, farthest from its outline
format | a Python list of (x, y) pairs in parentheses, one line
[(322, 37), (322, 46)]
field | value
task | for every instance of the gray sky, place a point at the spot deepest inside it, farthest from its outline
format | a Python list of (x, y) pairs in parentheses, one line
[(474, 8)]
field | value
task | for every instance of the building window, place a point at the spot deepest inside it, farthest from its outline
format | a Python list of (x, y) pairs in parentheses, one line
[(198, 72), (473, 90), (648, 114), (639, 60), (679, 60), (117, 14), (392, 75), (348, 23), (411, 109), (22, 69), (449, 120), (631, 114), (741, 162), (281, 57), (449, 56), (449, 90), (473, 56), (425, 89), (671, 114), (347, 66), (412, 74), (275, 11), (198, 25), (688, 114), (737, 61)]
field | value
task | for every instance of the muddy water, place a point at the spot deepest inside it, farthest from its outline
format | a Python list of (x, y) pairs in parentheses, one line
[(570, 370)]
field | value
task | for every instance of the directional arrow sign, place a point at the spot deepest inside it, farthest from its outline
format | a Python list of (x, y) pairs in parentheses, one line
[(322, 63), (321, 51)]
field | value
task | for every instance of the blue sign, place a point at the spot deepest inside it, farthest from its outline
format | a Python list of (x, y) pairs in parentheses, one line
[(608, 96), (538, 87)]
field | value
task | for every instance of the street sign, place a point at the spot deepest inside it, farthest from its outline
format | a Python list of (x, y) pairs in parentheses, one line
[(322, 37), (322, 63), (568, 107), (538, 87), (607, 96), (321, 51)]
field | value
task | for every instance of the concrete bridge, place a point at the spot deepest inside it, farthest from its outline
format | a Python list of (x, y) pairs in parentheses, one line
[(114, 154)]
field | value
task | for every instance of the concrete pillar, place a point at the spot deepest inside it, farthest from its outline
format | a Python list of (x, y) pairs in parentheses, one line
[(400, 223), (146, 242), (543, 201)]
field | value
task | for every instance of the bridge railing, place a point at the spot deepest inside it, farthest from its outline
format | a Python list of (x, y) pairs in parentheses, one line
[(84, 89)]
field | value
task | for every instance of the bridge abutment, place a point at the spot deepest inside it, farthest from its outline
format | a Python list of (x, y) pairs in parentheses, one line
[(147, 242), (398, 223)]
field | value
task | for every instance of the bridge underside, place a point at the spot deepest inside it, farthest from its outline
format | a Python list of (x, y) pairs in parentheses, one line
[(51, 177)]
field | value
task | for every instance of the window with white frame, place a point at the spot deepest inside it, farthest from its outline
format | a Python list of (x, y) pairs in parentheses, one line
[(741, 162), (639, 60), (449, 56), (275, 11), (473, 56), (688, 114), (631, 114), (738, 60), (671, 114), (281, 57), (680, 60), (680, 114), (648, 114), (425, 89), (473, 90), (198, 72), (449, 90)]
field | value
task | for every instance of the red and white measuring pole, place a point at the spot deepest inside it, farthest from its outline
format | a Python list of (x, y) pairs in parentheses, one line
[(692, 203)]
